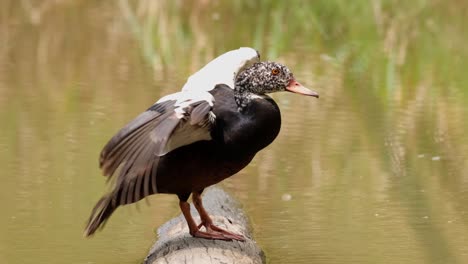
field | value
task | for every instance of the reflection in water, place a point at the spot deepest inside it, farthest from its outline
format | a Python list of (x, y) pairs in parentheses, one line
[(374, 171)]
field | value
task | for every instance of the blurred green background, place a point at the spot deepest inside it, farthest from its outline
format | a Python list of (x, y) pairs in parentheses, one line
[(375, 171)]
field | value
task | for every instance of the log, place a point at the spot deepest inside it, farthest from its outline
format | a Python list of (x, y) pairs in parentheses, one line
[(175, 245)]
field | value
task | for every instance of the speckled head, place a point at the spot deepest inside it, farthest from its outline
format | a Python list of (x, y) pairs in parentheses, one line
[(266, 77)]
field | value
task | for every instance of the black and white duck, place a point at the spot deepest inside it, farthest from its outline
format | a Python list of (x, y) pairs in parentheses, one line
[(198, 137)]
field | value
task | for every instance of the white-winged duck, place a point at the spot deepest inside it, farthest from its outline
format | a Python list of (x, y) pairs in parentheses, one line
[(198, 137)]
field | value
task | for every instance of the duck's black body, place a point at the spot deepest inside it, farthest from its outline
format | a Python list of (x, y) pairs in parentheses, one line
[(237, 137), (190, 140)]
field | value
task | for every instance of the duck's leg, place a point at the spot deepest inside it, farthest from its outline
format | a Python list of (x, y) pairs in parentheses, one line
[(193, 228), (206, 219)]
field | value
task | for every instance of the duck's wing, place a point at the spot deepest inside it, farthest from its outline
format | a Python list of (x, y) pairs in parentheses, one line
[(222, 70), (174, 121)]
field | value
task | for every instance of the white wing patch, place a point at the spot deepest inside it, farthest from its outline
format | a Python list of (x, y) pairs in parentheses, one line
[(223, 69), (185, 134), (187, 97), (193, 110)]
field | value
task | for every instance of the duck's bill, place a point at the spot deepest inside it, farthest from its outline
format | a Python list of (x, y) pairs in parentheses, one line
[(296, 87)]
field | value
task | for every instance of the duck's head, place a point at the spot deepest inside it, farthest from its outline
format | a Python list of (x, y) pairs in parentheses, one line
[(267, 77)]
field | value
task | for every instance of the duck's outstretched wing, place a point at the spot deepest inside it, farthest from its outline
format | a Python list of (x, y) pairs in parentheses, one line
[(133, 153), (174, 121)]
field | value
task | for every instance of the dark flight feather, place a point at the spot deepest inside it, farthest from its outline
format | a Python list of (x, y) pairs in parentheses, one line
[(136, 149)]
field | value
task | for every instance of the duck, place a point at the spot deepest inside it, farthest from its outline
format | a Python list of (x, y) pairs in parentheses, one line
[(197, 137)]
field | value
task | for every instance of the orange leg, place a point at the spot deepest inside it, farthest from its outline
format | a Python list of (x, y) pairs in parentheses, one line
[(194, 229), (207, 222)]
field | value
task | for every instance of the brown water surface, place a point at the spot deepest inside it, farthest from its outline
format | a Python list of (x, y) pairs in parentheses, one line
[(375, 171)]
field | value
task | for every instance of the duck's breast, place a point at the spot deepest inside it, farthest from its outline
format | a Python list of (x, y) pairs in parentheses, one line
[(250, 130)]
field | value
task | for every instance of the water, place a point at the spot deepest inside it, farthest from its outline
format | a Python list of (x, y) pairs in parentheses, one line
[(372, 172)]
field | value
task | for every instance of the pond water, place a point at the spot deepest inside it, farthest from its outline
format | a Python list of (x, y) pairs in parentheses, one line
[(375, 171)]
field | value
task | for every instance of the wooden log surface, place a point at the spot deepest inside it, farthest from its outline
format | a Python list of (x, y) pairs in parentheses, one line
[(175, 245)]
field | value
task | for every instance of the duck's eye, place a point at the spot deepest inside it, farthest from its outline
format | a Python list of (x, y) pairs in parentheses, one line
[(274, 71)]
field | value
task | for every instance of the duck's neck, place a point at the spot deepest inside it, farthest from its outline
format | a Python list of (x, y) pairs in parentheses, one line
[(242, 100), (243, 96)]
